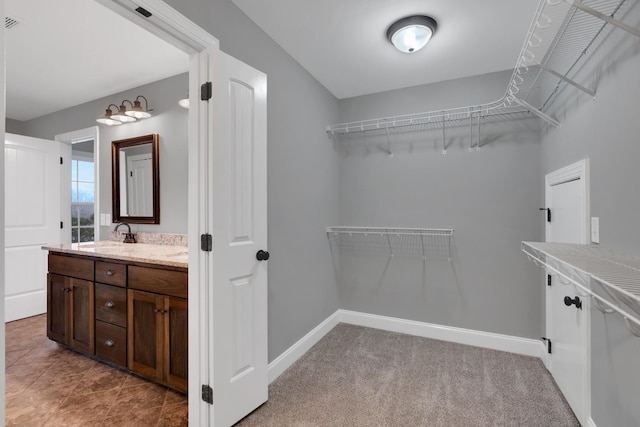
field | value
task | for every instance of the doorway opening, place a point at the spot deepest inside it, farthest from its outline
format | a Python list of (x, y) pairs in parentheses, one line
[(83, 190), (80, 186)]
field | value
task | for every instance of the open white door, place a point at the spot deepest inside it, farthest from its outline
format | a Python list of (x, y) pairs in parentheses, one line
[(238, 188), (32, 219), (566, 194)]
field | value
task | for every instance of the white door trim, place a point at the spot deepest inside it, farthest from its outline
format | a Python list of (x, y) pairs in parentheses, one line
[(171, 26), (70, 138), (575, 171)]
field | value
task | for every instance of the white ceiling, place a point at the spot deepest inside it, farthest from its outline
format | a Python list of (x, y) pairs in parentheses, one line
[(342, 43), (67, 52)]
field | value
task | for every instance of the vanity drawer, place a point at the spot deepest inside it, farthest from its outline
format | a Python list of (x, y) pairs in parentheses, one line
[(111, 304), (111, 273), (159, 281), (72, 267), (111, 343)]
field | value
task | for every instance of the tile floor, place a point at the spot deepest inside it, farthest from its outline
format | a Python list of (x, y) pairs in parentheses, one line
[(48, 385)]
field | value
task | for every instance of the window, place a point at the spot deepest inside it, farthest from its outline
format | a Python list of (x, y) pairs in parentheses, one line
[(82, 200)]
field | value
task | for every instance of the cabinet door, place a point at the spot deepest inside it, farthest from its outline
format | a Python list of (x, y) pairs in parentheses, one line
[(176, 345), (57, 308), (145, 333), (81, 315)]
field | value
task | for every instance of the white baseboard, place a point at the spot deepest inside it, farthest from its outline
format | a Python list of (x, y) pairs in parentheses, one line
[(591, 423), (524, 346), (25, 305), (297, 350)]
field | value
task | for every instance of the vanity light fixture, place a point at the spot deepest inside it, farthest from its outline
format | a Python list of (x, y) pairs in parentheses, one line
[(137, 112), (412, 33), (107, 118), (126, 115), (122, 115)]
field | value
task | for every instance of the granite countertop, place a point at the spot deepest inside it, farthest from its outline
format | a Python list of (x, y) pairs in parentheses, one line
[(174, 256)]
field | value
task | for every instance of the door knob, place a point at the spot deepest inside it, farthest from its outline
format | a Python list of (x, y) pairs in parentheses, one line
[(262, 255), (568, 302)]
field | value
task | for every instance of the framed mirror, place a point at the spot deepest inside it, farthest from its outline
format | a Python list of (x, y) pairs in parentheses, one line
[(135, 176)]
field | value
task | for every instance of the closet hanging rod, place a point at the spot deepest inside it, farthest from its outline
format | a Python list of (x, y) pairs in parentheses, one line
[(447, 232), (454, 117)]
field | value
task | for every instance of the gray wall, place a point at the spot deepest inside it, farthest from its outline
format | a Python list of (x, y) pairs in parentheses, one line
[(2, 284), (14, 126), (490, 198), (607, 132), (169, 120), (302, 173)]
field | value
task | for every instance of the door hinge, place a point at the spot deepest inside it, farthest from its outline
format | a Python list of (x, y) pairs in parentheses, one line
[(207, 394), (144, 12), (548, 280), (548, 341), (61, 225), (206, 91), (61, 161), (206, 242), (548, 213)]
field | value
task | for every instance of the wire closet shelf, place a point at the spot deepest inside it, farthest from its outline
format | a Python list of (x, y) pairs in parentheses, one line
[(430, 242), (592, 268), (561, 38)]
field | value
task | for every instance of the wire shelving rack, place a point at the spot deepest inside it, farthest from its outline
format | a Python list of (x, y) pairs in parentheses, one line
[(429, 242), (591, 268)]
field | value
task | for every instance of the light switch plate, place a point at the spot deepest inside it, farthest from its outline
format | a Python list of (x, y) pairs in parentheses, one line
[(595, 229)]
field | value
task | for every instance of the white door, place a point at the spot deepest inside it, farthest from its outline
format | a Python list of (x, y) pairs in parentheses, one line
[(239, 227), (140, 193), (32, 219), (567, 326)]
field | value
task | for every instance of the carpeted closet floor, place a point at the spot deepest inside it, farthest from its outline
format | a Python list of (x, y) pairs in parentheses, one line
[(359, 376)]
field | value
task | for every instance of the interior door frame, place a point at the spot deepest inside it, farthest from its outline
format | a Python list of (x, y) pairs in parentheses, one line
[(575, 171), (70, 138), (168, 24)]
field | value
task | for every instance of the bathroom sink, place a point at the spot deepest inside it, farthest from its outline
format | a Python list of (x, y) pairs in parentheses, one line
[(104, 244), (179, 256)]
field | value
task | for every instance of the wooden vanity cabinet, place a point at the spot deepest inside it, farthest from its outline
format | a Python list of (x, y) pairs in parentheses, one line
[(70, 303), (157, 326), (132, 315)]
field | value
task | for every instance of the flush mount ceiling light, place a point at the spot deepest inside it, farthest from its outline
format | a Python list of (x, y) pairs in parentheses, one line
[(412, 33), (124, 114), (184, 102)]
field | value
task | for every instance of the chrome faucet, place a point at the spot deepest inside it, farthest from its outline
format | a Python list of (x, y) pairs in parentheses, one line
[(128, 236)]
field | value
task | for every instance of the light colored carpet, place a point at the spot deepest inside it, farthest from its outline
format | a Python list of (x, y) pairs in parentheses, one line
[(359, 376)]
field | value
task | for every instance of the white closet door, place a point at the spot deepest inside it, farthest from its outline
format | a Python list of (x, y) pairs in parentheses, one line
[(567, 326), (32, 219)]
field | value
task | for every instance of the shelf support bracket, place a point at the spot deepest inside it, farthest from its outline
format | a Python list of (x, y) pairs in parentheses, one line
[(568, 80), (444, 138), (331, 134), (389, 152), (538, 113), (578, 5)]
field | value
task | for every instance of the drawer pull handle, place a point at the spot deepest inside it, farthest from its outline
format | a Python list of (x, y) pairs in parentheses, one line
[(155, 310), (109, 343), (66, 290), (109, 304), (109, 272)]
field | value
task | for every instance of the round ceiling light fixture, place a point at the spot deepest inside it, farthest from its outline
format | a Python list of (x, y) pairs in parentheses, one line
[(412, 33)]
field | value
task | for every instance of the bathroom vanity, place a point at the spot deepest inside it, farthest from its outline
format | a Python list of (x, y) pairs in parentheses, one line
[(125, 304)]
